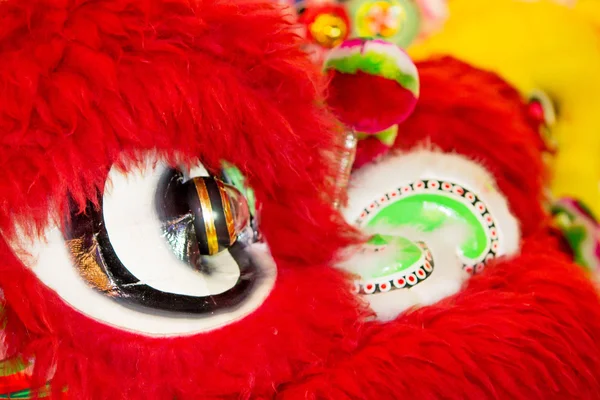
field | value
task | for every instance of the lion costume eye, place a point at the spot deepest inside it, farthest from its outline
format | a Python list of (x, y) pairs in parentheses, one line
[(166, 251)]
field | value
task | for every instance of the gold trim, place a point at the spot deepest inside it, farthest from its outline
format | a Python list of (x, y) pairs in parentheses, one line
[(207, 215), (227, 210), (88, 267)]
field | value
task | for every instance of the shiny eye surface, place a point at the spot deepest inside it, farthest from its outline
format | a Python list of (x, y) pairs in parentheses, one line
[(166, 252), (397, 21)]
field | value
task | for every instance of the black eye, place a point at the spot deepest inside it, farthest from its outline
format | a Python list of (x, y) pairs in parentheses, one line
[(198, 218)]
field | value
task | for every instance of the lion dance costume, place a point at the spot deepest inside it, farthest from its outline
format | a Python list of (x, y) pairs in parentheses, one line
[(169, 226)]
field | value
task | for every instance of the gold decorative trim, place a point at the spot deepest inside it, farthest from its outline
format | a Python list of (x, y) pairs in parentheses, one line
[(227, 210), (207, 215)]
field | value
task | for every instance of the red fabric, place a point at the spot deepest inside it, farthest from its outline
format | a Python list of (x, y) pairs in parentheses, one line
[(368, 103), (477, 114)]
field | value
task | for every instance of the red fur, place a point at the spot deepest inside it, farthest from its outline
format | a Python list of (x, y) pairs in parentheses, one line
[(526, 329), (368, 103), (475, 113), (85, 82), (82, 83), (297, 328), (314, 10)]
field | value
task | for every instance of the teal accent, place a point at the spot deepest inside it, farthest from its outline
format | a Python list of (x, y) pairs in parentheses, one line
[(238, 180), (375, 63), (429, 212), (409, 255)]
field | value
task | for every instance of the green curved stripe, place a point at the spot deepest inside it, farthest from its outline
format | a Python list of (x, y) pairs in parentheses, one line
[(429, 212), (375, 63), (27, 394), (409, 256)]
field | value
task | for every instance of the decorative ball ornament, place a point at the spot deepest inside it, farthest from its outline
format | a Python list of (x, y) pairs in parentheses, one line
[(326, 25), (328, 30), (374, 84), (397, 21)]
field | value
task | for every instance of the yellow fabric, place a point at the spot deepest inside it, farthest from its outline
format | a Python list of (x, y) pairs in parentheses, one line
[(539, 45)]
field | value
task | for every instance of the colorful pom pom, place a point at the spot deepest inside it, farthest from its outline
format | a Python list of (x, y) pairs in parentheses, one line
[(374, 84)]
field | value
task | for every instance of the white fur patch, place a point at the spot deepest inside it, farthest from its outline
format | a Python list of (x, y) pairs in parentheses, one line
[(370, 182)]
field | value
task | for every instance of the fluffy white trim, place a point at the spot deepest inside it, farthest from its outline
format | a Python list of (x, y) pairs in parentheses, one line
[(372, 181)]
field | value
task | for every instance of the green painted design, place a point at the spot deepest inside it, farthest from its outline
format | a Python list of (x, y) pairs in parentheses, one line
[(429, 211), (28, 394), (12, 366), (388, 136), (378, 240), (375, 63), (235, 177), (408, 257)]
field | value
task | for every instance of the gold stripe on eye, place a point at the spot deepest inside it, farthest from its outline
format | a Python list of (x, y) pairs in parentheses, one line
[(207, 215), (227, 211)]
